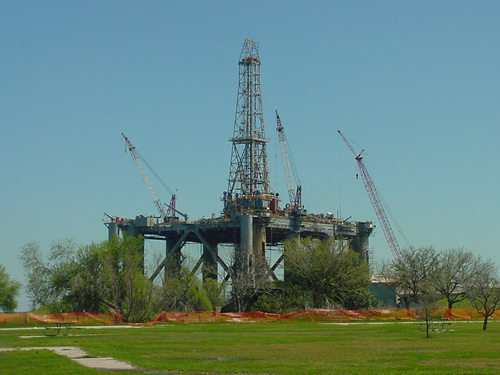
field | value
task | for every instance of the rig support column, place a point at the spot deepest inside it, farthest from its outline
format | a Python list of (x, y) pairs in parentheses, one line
[(246, 243), (360, 243), (259, 241), (112, 230)]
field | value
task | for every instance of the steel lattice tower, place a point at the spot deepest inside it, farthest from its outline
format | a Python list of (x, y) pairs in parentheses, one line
[(249, 174)]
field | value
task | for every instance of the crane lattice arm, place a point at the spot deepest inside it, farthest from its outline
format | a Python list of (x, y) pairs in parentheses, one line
[(376, 201), (145, 177), (292, 180)]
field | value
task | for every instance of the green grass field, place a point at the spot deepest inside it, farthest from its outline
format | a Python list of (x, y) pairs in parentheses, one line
[(268, 348)]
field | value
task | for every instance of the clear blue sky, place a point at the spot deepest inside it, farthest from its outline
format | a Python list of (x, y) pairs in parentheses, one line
[(414, 83)]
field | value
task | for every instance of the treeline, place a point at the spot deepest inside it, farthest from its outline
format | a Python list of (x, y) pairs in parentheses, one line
[(109, 277)]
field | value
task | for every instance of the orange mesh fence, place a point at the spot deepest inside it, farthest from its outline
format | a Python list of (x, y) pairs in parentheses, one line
[(17, 318), (186, 317), (313, 315), (75, 317), (467, 314)]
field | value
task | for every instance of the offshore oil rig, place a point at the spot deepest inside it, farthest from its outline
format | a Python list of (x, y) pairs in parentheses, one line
[(253, 218)]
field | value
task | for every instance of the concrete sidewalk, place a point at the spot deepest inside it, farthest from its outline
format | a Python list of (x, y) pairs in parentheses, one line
[(81, 357)]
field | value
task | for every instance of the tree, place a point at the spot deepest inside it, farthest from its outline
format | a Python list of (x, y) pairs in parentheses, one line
[(124, 286), (9, 290), (410, 272), (184, 291), (198, 298), (454, 268), (215, 292), (427, 305), (248, 280), (86, 292), (483, 288), (36, 273), (329, 271), (270, 303), (47, 279), (100, 277)]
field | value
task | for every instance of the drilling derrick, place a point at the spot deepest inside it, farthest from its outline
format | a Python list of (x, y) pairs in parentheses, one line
[(248, 184)]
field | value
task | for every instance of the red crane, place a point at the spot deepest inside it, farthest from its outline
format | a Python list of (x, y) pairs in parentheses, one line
[(292, 180), (376, 201), (171, 210)]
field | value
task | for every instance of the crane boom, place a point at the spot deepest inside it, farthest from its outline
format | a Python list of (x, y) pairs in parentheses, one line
[(292, 180), (375, 200), (145, 178)]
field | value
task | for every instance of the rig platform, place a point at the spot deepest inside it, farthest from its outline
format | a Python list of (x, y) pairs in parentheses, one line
[(250, 234), (251, 218)]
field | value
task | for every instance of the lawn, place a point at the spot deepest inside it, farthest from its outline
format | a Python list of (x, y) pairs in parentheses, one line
[(268, 348)]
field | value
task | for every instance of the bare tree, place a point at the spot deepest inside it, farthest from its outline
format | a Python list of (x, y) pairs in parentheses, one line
[(410, 273), (483, 289), (427, 305), (250, 277), (454, 268)]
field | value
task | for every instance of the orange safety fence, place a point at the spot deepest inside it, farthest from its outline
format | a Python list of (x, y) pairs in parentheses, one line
[(313, 315), (74, 317)]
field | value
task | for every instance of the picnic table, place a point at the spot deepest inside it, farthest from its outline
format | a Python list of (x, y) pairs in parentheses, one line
[(58, 329), (437, 325)]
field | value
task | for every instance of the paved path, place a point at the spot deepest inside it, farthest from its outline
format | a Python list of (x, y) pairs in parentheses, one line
[(82, 327), (399, 322), (165, 326), (81, 357)]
